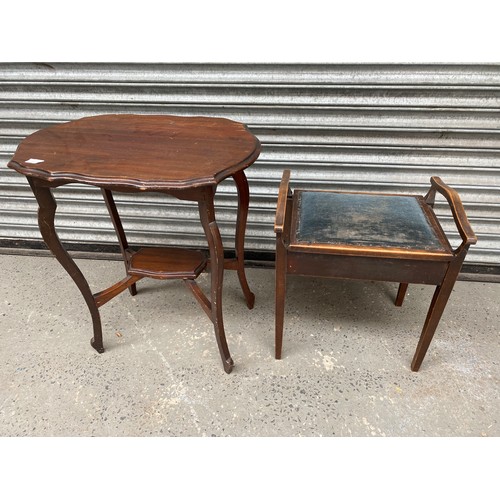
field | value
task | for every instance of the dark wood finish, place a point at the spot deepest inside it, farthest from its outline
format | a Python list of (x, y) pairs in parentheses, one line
[(139, 152), (46, 216), (425, 272), (120, 233), (241, 223), (167, 263), (199, 296), (106, 295), (282, 230), (457, 209), (401, 294), (207, 217), (185, 157), (419, 251)]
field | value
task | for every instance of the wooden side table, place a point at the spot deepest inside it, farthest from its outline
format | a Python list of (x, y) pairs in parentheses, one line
[(185, 157)]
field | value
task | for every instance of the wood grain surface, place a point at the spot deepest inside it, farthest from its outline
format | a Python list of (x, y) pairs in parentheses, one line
[(145, 152)]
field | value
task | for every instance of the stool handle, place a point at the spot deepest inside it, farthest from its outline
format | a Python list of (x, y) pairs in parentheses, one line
[(279, 222), (457, 209)]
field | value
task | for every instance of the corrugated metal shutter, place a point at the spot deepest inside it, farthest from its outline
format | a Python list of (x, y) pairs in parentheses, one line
[(366, 127)]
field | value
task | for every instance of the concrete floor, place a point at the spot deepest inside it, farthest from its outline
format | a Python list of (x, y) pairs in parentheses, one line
[(345, 370)]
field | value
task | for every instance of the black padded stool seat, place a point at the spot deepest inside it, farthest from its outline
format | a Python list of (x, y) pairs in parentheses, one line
[(352, 219)]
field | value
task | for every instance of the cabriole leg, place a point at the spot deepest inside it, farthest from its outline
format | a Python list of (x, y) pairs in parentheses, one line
[(46, 217), (207, 216), (243, 202)]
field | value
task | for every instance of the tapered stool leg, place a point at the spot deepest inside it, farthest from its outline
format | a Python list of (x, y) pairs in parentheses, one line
[(280, 291), (436, 309), (401, 294)]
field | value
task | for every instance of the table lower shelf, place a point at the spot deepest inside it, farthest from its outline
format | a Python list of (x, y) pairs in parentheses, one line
[(167, 263)]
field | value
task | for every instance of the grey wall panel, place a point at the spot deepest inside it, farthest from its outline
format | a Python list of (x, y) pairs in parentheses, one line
[(384, 128)]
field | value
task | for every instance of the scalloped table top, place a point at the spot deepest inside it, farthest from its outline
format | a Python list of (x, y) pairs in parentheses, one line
[(145, 152)]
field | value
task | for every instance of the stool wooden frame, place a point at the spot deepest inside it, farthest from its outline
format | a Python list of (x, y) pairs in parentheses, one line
[(415, 264)]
